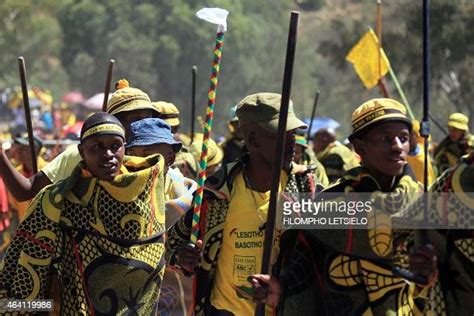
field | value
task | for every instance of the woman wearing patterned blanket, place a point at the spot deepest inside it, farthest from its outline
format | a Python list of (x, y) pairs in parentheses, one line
[(99, 231)]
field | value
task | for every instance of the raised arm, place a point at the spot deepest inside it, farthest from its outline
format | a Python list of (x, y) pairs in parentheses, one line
[(22, 188)]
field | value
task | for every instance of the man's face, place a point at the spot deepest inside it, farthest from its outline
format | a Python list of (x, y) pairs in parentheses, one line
[(103, 155), (128, 117), (265, 143), (384, 148), (455, 134), (321, 140), (165, 150)]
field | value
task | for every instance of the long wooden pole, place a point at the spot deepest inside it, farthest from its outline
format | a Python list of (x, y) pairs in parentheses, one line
[(421, 235), (425, 123), (108, 80), (281, 139), (26, 105), (315, 105), (423, 238), (193, 101), (378, 28)]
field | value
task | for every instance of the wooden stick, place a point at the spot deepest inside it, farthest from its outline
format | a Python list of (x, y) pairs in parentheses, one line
[(281, 139), (425, 123), (379, 35), (421, 235), (193, 101), (383, 88), (107, 84), (315, 104), (26, 105)]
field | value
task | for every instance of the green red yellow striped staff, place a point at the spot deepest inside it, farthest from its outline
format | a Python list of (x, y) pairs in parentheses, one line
[(216, 16)]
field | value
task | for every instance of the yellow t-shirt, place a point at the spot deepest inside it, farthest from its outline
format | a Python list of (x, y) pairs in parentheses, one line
[(62, 166), (417, 163), (242, 246)]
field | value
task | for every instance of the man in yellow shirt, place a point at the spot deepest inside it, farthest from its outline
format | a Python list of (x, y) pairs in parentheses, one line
[(235, 209)]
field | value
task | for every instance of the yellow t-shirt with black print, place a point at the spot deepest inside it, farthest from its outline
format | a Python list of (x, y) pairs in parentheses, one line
[(242, 246)]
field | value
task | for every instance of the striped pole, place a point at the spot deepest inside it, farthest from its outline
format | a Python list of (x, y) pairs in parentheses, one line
[(211, 101)]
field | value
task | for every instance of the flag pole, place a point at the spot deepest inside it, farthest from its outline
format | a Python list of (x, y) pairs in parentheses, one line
[(315, 104), (107, 84), (26, 105), (382, 86), (400, 92), (278, 163)]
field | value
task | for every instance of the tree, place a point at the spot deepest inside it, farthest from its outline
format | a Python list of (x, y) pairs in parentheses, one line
[(451, 49), (155, 44), (30, 29)]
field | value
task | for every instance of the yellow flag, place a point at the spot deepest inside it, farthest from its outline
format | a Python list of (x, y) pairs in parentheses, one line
[(364, 56)]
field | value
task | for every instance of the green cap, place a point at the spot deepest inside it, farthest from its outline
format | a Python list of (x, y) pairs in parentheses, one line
[(264, 109)]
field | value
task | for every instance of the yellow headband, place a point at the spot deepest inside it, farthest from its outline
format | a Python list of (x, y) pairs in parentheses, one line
[(108, 128)]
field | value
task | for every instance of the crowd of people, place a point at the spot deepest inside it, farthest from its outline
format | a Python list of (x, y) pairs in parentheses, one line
[(104, 227)]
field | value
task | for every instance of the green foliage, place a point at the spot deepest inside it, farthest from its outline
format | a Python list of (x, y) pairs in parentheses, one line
[(310, 4), (29, 29), (451, 50), (67, 45)]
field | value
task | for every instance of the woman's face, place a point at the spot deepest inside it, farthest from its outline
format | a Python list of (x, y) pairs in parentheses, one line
[(103, 155)]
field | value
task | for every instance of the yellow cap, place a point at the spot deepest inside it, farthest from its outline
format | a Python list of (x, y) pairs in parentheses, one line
[(377, 110), (186, 157), (126, 99), (168, 112), (214, 152), (459, 121)]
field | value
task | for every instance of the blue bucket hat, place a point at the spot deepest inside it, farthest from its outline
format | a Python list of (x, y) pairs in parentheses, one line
[(151, 131)]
